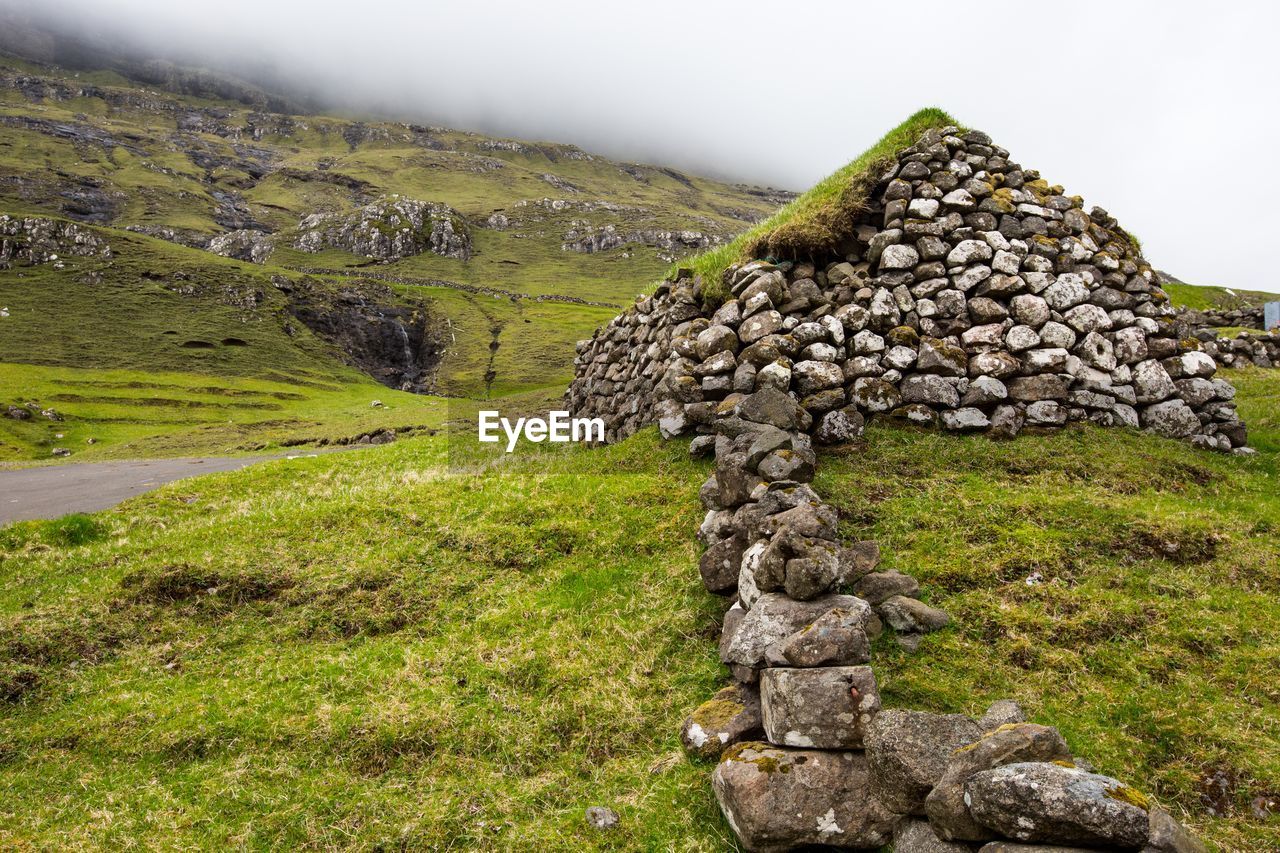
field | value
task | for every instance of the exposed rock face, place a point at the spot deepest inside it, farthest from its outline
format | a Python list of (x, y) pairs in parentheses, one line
[(243, 245), (395, 344), (389, 229), (589, 239), (35, 240)]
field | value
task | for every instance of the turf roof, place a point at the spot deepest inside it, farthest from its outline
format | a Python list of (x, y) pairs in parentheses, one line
[(817, 221)]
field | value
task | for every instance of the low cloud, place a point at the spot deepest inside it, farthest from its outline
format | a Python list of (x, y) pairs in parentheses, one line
[(1147, 109)]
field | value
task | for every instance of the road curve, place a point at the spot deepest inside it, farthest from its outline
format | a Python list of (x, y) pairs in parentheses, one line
[(55, 490)]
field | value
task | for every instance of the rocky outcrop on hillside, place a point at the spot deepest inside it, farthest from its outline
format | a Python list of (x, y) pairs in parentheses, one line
[(587, 238), (34, 240), (244, 245), (969, 296), (389, 229)]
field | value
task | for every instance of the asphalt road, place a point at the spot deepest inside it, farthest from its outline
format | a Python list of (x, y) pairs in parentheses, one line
[(55, 490)]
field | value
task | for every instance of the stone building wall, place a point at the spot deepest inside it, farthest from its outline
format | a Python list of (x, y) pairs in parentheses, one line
[(971, 295)]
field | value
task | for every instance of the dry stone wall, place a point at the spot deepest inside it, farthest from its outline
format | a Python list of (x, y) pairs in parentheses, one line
[(1244, 350), (969, 295)]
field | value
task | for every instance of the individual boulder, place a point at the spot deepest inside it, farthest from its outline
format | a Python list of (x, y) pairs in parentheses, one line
[(777, 799), (1168, 836), (1002, 712), (910, 616), (877, 587), (826, 707), (836, 638), (774, 617), (909, 751), (946, 805), (1049, 803)]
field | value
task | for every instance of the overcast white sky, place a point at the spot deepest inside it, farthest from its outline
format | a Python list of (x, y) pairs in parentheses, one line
[(1165, 113)]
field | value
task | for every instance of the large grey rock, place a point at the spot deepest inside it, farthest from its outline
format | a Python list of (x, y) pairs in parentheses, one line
[(909, 751), (1172, 419), (1087, 318), (968, 252), (877, 587), (775, 408), (721, 563), (758, 325), (916, 836), (824, 707), (1003, 712), (899, 257), (1152, 382), (938, 356), (1067, 292), (907, 615), (811, 376), (1168, 836), (731, 716), (714, 340), (857, 560), (840, 426), (1030, 310), (1043, 386), (946, 805), (836, 638), (779, 799), (775, 617), (967, 419), (1043, 802), (927, 388)]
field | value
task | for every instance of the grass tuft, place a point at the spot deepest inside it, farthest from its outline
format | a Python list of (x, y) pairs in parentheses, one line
[(74, 530)]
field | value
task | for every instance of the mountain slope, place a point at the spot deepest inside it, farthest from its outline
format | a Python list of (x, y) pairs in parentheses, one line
[(429, 259)]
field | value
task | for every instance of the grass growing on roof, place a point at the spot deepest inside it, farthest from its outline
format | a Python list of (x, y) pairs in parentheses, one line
[(815, 221)]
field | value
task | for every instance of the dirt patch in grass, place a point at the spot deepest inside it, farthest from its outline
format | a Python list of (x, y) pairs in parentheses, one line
[(1184, 546), (181, 583)]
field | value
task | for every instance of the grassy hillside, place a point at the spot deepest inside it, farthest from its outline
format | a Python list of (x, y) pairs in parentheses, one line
[(1203, 297), (477, 650), (240, 371)]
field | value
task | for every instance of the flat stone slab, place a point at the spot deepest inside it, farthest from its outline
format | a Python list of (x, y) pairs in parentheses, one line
[(825, 707)]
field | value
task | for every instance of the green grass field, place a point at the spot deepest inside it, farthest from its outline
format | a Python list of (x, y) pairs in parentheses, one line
[(1202, 297), (476, 648)]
